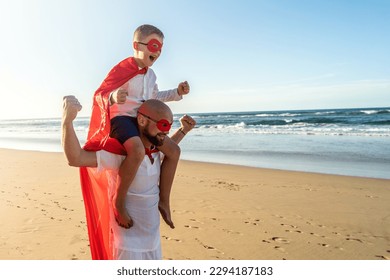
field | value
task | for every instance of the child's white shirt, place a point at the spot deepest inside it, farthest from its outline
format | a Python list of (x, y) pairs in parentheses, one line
[(140, 88)]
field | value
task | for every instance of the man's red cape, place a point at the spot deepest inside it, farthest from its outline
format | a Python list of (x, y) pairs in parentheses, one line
[(95, 188)]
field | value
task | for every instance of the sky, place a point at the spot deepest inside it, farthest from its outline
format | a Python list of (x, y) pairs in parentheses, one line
[(237, 55)]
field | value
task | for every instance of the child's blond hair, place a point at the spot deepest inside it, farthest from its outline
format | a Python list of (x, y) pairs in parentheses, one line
[(145, 30)]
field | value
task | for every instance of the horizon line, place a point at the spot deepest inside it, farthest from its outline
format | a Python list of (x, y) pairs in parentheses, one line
[(221, 112)]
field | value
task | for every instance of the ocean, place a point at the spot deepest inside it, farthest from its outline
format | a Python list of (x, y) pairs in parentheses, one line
[(334, 141)]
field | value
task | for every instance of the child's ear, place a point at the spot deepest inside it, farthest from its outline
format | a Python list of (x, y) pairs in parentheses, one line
[(135, 45)]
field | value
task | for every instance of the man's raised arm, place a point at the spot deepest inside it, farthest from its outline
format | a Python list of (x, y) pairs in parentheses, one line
[(187, 123), (75, 155)]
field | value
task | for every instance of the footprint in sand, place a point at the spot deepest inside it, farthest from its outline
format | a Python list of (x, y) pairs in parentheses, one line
[(323, 244), (169, 238), (279, 216), (183, 212), (280, 249), (196, 221), (209, 247), (296, 231), (28, 221), (354, 239), (285, 225), (317, 235), (255, 222), (280, 240), (232, 232), (188, 226), (226, 185), (384, 257)]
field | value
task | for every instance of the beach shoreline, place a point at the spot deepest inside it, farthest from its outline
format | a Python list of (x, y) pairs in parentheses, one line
[(351, 142), (221, 211)]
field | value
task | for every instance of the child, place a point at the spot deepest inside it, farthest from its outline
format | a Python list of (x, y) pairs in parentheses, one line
[(125, 101)]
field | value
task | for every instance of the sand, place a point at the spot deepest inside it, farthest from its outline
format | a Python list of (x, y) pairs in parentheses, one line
[(220, 211)]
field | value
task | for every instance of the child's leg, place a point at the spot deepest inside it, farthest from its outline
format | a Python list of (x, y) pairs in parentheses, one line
[(168, 169), (127, 171)]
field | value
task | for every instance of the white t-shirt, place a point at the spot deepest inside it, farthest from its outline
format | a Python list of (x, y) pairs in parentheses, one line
[(141, 203), (141, 88)]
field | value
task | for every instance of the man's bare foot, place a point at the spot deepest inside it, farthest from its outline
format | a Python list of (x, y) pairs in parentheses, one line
[(165, 212), (122, 218)]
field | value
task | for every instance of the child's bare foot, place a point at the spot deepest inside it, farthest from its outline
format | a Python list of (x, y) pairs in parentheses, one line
[(122, 218), (165, 212)]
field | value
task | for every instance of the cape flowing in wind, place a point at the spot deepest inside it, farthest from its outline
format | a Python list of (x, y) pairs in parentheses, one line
[(95, 186)]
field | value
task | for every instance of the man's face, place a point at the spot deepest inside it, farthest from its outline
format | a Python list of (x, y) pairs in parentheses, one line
[(156, 129), (148, 50), (156, 138)]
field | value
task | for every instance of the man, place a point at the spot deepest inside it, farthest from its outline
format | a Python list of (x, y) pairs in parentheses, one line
[(109, 240)]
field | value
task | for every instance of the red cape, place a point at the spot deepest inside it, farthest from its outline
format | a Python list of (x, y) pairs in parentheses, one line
[(95, 188)]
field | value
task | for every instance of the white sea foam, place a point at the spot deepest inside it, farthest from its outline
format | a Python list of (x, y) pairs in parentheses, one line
[(325, 113), (369, 112)]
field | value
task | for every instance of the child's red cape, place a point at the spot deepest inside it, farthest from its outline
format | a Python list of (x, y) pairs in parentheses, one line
[(95, 188)]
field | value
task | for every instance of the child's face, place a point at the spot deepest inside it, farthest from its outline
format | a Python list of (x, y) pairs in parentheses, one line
[(148, 50)]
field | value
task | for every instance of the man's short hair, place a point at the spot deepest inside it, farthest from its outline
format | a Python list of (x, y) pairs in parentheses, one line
[(145, 30)]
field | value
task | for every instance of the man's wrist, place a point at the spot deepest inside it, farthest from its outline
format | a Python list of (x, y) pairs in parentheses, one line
[(182, 131), (67, 122)]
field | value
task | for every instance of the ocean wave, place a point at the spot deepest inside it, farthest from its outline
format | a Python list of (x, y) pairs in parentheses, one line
[(373, 112), (379, 122), (362, 122), (298, 128), (367, 112), (325, 113), (279, 115), (289, 121)]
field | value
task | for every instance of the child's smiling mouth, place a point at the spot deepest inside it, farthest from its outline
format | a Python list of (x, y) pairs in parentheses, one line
[(152, 58)]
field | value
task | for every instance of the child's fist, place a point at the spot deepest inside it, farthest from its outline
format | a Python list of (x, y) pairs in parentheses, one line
[(183, 88), (119, 96)]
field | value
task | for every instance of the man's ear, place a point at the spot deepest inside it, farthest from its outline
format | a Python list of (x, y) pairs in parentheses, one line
[(141, 120)]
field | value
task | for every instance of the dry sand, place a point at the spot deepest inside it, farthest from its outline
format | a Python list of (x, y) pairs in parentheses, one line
[(220, 212)]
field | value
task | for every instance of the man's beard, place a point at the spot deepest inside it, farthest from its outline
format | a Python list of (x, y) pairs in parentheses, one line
[(153, 139)]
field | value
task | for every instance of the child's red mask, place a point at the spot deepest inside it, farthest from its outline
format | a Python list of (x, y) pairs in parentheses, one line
[(153, 45)]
